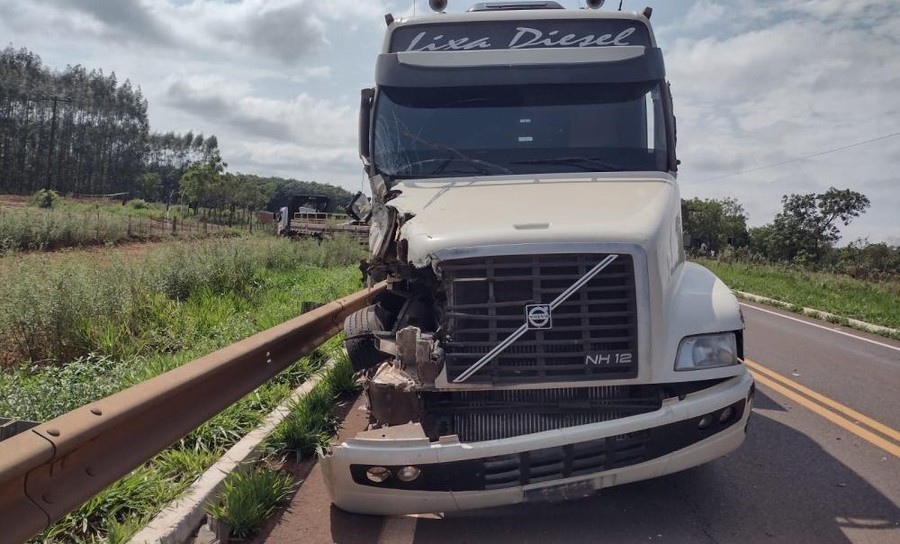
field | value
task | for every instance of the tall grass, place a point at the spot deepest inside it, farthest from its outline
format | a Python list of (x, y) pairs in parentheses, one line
[(143, 314), (60, 307), (873, 302), (32, 229)]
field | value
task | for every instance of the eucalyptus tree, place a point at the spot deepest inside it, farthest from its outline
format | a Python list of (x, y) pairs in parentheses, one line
[(75, 131)]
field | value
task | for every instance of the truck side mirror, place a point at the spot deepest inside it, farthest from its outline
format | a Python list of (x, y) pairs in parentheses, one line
[(360, 209), (365, 123)]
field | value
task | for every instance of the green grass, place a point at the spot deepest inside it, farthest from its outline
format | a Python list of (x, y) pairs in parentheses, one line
[(71, 223), (249, 497), (103, 322), (61, 307), (310, 424), (130, 503), (874, 302)]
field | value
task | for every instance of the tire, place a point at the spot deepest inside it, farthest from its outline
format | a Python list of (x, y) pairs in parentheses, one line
[(359, 339)]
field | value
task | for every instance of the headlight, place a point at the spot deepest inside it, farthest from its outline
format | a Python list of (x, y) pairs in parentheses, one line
[(378, 474), (408, 474), (707, 351)]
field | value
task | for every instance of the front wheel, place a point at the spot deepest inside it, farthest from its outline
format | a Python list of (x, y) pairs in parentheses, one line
[(359, 339)]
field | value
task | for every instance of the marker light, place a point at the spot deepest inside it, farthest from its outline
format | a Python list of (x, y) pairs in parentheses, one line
[(726, 414)]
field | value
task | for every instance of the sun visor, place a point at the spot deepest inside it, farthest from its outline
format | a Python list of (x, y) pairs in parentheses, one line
[(625, 64)]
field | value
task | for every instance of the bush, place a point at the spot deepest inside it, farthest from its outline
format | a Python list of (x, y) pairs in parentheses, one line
[(138, 204), (45, 198)]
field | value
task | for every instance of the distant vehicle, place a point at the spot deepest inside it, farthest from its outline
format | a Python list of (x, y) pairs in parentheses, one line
[(306, 216)]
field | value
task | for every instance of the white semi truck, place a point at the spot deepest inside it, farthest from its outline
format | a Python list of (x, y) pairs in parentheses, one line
[(542, 337)]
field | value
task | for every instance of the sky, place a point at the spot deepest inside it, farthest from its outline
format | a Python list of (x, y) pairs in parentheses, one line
[(756, 83)]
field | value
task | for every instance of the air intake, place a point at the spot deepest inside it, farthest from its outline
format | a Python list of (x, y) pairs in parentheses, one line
[(514, 6)]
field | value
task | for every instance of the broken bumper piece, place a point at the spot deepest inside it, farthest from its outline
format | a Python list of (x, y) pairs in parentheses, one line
[(369, 474)]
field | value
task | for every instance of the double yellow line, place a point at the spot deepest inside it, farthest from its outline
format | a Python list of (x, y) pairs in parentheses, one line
[(845, 417)]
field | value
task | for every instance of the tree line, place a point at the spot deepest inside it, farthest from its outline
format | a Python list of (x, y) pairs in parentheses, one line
[(77, 131), (803, 233), (81, 132)]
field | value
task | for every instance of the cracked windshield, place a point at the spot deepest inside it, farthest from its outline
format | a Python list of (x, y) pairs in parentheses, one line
[(489, 131)]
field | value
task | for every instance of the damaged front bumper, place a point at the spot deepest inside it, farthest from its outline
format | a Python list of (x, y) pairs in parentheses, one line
[(560, 464)]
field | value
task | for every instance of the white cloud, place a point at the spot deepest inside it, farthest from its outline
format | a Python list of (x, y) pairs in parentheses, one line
[(704, 12), (315, 72), (302, 119), (755, 83), (786, 81)]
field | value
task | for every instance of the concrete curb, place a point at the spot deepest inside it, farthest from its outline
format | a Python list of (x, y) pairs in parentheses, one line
[(819, 314), (178, 521)]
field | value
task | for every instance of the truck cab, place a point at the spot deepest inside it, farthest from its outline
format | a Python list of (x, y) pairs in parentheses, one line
[(542, 336)]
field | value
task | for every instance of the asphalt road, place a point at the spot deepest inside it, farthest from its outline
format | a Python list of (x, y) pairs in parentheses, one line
[(821, 464)]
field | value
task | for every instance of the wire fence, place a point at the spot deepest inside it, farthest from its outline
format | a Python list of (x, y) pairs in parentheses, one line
[(31, 230)]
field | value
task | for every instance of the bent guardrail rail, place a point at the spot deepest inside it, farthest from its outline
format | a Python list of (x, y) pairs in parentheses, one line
[(52, 468)]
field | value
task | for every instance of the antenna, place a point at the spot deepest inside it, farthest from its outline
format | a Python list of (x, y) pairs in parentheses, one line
[(414, 8), (620, 4)]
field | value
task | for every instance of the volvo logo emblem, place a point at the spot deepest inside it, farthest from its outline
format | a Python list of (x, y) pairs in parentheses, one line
[(537, 316)]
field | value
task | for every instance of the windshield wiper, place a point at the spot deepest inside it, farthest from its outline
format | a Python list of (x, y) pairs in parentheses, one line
[(589, 164), (480, 166)]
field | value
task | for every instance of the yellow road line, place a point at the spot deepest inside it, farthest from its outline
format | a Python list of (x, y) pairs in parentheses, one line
[(840, 408), (866, 435)]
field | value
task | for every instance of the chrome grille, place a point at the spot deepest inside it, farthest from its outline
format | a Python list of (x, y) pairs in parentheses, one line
[(486, 300), (487, 415)]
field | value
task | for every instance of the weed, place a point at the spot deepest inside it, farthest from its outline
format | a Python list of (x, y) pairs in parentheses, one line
[(61, 307), (174, 463), (39, 393), (120, 533), (308, 426), (125, 322), (342, 378), (310, 423), (249, 498), (126, 502)]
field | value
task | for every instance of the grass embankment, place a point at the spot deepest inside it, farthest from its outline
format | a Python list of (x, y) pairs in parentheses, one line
[(874, 302), (76, 327)]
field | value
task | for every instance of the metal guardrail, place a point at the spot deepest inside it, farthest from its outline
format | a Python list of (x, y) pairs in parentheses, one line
[(52, 468)]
